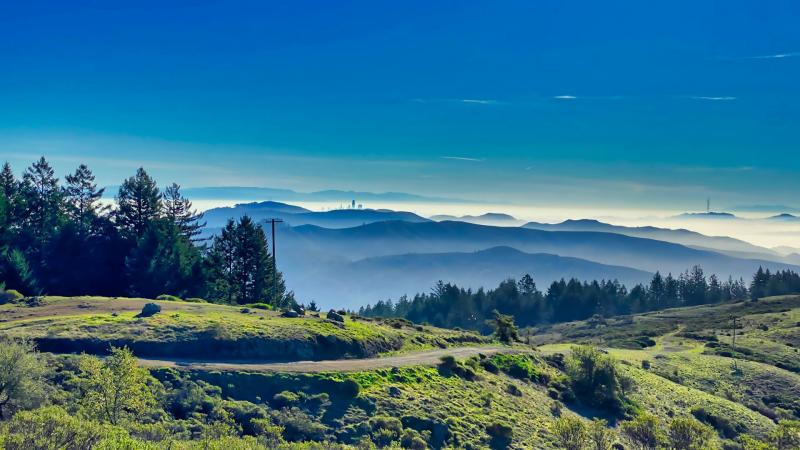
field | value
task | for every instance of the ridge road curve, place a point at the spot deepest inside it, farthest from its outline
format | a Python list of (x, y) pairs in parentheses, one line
[(424, 358)]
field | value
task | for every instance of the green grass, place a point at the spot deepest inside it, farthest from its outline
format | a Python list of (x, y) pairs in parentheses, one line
[(198, 330)]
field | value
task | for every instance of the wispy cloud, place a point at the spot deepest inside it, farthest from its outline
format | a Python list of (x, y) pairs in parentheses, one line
[(564, 97), (463, 158), (774, 56), (714, 99), (479, 101), (473, 101)]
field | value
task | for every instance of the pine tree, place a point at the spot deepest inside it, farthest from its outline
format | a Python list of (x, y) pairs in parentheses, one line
[(657, 291), (178, 209), (42, 198), (527, 286), (15, 271), (220, 263), (715, 293), (759, 285), (138, 204), (8, 183), (252, 273), (164, 262), (82, 196), (240, 267)]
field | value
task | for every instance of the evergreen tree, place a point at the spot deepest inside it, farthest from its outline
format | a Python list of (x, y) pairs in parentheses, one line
[(178, 209), (240, 266), (82, 197), (164, 262), (252, 280), (8, 183), (9, 189), (759, 285), (220, 262), (657, 291), (138, 204), (16, 273), (42, 201), (526, 285), (714, 294)]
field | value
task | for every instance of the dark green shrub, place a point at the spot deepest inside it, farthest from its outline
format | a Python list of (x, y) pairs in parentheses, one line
[(723, 426), (499, 430), (10, 296), (595, 379), (169, 298), (298, 426), (349, 388), (285, 399)]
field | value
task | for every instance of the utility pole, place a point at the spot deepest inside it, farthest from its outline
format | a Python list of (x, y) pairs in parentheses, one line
[(274, 261)]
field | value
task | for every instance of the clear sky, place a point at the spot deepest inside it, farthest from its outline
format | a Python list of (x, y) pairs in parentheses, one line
[(617, 104)]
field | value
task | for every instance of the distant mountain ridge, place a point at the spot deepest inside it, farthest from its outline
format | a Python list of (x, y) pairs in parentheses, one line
[(297, 216), (399, 237), (485, 219), (730, 246), (379, 278)]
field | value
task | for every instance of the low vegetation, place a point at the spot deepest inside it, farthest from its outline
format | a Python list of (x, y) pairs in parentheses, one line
[(210, 331)]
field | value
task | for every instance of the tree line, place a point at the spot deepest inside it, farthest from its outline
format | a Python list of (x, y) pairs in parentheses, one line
[(60, 238), (566, 300)]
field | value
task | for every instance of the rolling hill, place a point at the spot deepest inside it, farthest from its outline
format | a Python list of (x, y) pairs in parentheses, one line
[(295, 216), (352, 284), (723, 244), (319, 261)]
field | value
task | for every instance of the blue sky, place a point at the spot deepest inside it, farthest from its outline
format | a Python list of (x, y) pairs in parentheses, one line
[(587, 103)]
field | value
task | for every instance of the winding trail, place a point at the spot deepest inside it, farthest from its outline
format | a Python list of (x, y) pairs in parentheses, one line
[(425, 358)]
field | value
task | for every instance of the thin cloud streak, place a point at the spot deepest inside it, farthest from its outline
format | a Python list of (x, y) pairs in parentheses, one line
[(714, 99), (479, 102), (565, 97), (775, 56), (463, 158)]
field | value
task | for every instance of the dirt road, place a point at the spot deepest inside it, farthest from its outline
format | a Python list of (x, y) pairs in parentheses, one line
[(426, 358)]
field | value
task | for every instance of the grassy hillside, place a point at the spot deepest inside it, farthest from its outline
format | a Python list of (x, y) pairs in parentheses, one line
[(768, 330), (692, 347), (202, 330), (676, 363)]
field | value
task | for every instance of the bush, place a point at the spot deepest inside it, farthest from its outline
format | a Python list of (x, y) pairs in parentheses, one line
[(600, 436), (10, 296), (646, 364), (298, 426), (786, 435), (285, 399), (513, 390), (169, 298), (643, 431), (349, 388), (570, 432), (54, 428), (499, 430), (21, 376), (689, 434), (723, 426), (595, 378)]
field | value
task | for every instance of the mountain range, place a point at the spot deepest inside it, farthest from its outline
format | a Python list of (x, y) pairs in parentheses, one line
[(296, 216), (354, 256)]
